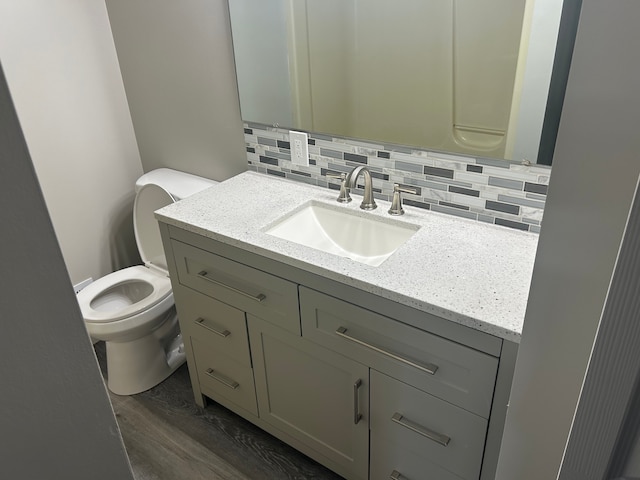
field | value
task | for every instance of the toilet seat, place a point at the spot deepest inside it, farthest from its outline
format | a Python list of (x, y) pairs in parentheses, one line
[(160, 288)]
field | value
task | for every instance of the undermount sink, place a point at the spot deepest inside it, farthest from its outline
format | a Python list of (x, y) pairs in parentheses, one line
[(357, 235)]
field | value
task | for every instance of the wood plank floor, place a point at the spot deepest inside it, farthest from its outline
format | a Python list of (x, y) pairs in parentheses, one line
[(169, 437)]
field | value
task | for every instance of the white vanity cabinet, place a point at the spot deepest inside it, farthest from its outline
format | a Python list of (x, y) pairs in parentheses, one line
[(368, 387)]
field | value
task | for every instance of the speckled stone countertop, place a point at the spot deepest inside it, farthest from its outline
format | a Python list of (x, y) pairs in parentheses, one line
[(468, 272)]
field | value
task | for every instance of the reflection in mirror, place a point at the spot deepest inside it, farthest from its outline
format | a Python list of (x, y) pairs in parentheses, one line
[(464, 76)]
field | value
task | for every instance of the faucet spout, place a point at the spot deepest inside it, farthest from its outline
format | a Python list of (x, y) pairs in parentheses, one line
[(368, 203)]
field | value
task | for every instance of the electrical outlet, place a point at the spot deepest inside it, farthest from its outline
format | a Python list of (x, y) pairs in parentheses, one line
[(299, 148)]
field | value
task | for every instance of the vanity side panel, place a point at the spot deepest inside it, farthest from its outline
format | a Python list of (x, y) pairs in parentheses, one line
[(175, 285), (499, 409)]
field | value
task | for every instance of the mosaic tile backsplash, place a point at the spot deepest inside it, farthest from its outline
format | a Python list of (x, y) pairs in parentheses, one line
[(487, 190)]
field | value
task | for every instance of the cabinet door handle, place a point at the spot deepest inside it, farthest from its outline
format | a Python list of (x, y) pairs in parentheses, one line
[(357, 416), (419, 429), (222, 379), (258, 298), (396, 475), (429, 368), (222, 333)]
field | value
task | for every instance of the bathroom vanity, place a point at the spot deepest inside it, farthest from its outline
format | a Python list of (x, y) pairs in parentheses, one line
[(400, 370)]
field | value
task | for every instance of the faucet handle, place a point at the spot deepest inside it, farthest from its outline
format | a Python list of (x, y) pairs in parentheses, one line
[(344, 196), (396, 203)]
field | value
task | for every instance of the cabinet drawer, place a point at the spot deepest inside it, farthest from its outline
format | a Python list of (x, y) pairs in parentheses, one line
[(392, 461), (215, 324), (218, 375), (446, 369), (264, 295), (425, 427)]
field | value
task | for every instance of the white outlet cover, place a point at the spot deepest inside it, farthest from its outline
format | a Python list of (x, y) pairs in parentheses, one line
[(299, 148)]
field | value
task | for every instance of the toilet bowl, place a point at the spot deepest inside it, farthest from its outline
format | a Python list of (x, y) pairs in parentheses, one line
[(132, 310)]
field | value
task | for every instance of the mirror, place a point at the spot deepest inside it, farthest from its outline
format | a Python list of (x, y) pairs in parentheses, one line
[(462, 76)]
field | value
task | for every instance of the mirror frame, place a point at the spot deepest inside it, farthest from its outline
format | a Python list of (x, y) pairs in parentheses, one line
[(567, 32)]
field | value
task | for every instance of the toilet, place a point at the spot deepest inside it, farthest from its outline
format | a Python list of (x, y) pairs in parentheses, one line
[(132, 310)]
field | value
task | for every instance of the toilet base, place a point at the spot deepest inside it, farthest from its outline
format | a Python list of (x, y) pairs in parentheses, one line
[(138, 365)]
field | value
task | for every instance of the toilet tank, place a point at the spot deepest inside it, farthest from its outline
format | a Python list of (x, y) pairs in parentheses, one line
[(179, 184), (155, 190)]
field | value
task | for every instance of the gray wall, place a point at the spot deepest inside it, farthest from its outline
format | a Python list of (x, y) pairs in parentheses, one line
[(56, 419), (65, 80), (63, 74), (607, 416), (595, 170), (632, 467), (176, 59)]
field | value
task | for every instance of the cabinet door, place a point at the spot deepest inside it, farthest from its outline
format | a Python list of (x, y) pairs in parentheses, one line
[(313, 395)]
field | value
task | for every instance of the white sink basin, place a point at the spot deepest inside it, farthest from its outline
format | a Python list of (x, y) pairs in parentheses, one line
[(360, 236)]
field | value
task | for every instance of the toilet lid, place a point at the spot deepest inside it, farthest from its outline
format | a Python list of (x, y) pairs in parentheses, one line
[(160, 289), (149, 199)]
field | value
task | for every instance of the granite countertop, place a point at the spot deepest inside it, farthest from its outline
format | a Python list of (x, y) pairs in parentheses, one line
[(468, 272)]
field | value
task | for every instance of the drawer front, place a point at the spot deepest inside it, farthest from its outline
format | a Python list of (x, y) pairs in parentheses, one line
[(445, 436), (391, 461), (243, 287), (446, 369), (218, 375), (215, 324)]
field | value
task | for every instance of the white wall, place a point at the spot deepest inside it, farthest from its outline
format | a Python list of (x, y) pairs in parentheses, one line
[(176, 59), (56, 421), (61, 66), (595, 170)]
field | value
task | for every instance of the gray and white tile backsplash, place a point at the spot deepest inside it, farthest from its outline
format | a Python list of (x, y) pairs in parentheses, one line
[(487, 190)]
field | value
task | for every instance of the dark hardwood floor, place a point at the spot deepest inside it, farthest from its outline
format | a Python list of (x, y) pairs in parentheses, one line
[(169, 437)]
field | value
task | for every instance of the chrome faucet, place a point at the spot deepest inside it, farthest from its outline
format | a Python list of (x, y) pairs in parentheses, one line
[(368, 203), (396, 203), (344, 196)]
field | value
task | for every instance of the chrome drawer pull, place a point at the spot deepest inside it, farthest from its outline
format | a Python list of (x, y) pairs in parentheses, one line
[(429, 368), (396, 475), (224, 380), (223, 333), (258, 298), (357, 416), (419, 429)]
